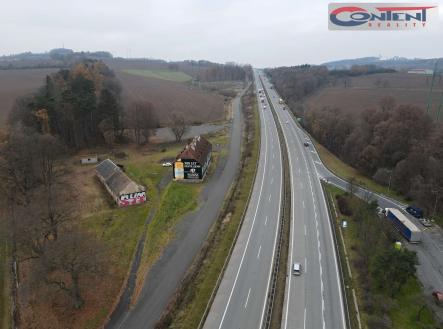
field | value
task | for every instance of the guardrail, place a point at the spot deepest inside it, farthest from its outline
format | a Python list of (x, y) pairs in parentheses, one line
[(337, 251), (284, 220)]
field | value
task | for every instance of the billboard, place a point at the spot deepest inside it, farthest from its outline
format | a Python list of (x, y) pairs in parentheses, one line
[(178, 170), (187, 169), (132, 198)]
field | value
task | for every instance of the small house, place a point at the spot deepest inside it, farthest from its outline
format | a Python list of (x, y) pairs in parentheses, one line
[(123, 190), (193, 162), (89, 159)]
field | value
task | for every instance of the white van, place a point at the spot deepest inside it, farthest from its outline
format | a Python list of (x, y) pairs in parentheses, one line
[(296, 269)]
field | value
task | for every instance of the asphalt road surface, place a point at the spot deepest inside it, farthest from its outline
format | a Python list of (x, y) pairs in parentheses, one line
[(429, 252), (313, 299), (241, 297), (164, 277)]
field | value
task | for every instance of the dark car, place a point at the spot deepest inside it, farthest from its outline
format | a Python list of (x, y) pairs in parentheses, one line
[(415, 211), (306, 144)]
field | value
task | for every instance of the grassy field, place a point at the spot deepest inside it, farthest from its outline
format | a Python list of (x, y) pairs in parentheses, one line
[(121, 228), (168, 75), (196, 297), (345, 171), (175, 201), (407, 303)]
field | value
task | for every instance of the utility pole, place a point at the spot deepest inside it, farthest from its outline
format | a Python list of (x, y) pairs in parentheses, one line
[(436, 192), (428, 109), (440, 107)]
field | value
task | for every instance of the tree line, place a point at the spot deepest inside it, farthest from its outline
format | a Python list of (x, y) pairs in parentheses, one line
[(398, 146), (82, 106), (40, 217), (294, 83), (206, 71), (382, 270)]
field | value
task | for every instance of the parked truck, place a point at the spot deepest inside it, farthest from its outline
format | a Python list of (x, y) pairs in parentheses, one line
[(404, 225)]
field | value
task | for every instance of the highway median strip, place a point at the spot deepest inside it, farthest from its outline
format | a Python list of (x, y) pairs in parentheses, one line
[(276, 294)]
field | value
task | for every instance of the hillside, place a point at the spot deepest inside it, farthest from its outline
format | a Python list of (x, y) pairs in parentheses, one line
[(397, 63), (15, 83), (169, 96), (366, 91)]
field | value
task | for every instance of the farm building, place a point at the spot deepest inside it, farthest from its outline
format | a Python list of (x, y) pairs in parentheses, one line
[(194, 160), (421, 71), (89, 159), (123, 190)]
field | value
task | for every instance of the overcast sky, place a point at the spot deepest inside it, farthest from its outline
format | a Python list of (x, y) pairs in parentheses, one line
[(263, 33)]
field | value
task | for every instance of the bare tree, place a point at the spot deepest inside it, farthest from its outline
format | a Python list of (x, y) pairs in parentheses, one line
[(142, 119), (352, 186), (66, 261), (178, 126), (387, 103)]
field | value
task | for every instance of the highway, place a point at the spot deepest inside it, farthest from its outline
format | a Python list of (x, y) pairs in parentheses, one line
[(429, 252), (241, 298), (314, 299)]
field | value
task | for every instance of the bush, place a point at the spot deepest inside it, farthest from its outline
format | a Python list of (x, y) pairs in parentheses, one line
[(343, 205), (379, 322)]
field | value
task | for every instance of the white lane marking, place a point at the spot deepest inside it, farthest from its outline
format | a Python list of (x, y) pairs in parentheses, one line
[(266, 220), (249, 235), (303, 203), (272, 180), (318, 162), (275, 238), (270, 197), (258, 255), (306, 265), (318, 245), (247, 298), (305, 230), (286, 312), (273, 155), (304, 321)]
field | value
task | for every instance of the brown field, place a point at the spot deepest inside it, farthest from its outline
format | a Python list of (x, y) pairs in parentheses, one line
[(363, 93), (169, 96), (15, 83), (166, 96)]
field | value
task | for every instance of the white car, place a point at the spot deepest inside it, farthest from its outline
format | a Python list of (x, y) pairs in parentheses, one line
[(296, 269), (167, 164)]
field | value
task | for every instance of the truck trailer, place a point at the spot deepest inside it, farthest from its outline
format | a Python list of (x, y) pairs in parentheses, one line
[(404, 225)]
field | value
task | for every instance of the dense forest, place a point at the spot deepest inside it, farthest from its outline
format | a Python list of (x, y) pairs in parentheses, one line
[(397, 145), (81, 106)]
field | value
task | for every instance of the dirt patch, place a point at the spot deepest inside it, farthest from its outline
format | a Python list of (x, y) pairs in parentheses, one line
[(366, 91)]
